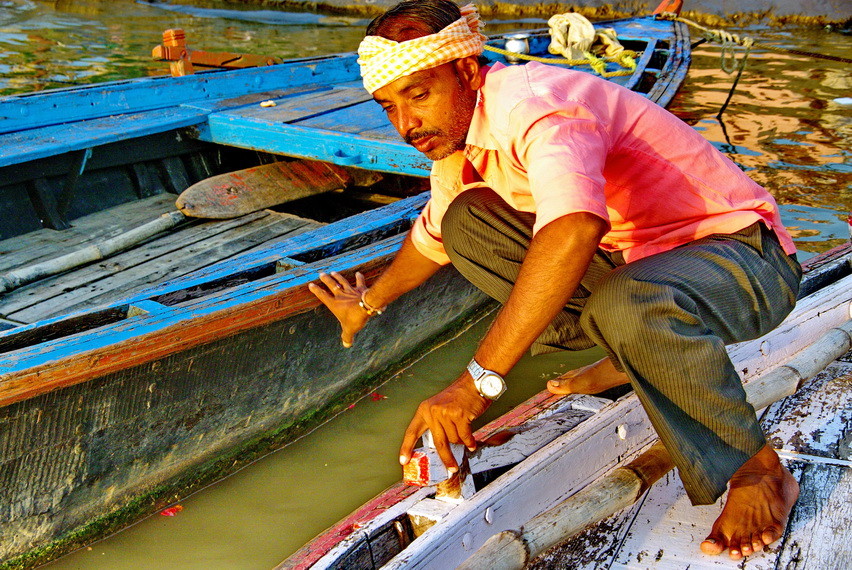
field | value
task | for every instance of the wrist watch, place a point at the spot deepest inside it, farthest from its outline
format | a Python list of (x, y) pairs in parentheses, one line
[(488, 383)]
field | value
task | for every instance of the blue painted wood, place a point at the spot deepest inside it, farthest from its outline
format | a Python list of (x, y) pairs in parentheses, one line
[(331, 239), (328, 241), (301, 142), (357, 119), (31, 144), (135, 328), (18, 112), (338, 96)]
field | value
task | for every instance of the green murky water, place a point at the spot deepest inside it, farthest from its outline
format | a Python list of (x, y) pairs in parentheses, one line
[(788, 125)]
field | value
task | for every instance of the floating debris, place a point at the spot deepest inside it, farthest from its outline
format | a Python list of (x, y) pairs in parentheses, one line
[(171, 511)]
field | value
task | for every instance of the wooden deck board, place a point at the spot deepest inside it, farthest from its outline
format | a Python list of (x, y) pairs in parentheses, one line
[(359, 119), (303, 106), (46, 244), (169, 256), (386, 132), (666, 531)]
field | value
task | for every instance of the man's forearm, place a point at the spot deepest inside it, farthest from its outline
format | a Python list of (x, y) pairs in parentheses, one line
[(557, 260), (408, 269)]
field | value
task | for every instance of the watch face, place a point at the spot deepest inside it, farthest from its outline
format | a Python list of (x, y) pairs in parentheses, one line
[(491, 385)]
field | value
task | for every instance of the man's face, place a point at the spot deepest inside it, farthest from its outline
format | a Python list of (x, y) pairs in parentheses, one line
[(432, 109)]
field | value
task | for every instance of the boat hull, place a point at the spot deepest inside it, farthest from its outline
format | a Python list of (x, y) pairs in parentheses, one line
[(85, 459)]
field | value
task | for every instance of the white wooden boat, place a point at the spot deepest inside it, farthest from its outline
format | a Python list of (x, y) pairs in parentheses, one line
[(557, 448)]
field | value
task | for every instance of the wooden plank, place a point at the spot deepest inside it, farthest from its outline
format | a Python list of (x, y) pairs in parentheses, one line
[(310, 104), (23, 146), (173, 255), (386, 131), (327, 241), (818, 535), (193, 231), (666, 532), (817, 419), (366, 117), (254, 99), (237, 193), (32, 110), (47, 244), (300, 142)]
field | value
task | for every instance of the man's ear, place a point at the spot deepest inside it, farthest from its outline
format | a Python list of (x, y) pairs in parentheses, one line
[(467, 69)]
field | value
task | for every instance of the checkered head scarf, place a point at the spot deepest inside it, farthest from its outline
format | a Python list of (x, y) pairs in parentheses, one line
[(383, 61)]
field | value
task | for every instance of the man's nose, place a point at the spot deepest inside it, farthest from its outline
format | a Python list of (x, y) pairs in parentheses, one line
[(408, 121)]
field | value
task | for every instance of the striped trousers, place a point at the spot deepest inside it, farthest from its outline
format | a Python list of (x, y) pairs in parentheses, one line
[(664, 320)]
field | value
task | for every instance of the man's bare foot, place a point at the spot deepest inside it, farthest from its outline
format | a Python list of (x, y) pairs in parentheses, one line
[(591, 379), (761, 495)]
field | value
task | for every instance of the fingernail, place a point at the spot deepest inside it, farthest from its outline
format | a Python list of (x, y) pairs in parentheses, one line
[(347, 344), (555, 382), (452, 470), (471, 449), (710, 540), (403, 460)]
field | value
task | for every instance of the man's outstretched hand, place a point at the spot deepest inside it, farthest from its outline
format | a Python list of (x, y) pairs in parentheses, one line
[(342, 300), (448, 415)]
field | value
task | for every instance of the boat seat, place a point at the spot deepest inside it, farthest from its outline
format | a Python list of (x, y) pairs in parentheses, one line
[(341, 125)]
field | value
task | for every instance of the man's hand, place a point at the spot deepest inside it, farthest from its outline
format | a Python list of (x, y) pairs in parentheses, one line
[(342, 300), (448, 415)]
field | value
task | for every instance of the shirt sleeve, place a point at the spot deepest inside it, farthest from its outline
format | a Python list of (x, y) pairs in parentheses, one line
[(564, 154), (445, 180), (426, 233)]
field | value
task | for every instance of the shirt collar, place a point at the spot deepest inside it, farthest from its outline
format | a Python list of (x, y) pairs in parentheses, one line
[(478, 134)]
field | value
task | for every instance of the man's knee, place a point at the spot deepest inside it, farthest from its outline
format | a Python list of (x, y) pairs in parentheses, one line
[(479, 221), (623, 309)]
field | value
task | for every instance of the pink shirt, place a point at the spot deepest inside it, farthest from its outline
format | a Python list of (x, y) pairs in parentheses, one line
[(554, 142)]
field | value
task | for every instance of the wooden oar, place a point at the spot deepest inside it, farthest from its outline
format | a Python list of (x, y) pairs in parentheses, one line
[(514, 549), (223, 196)]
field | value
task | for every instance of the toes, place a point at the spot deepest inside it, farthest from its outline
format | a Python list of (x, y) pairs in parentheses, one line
[(559, 387), (713, 545), (771, 534), (757, 542)]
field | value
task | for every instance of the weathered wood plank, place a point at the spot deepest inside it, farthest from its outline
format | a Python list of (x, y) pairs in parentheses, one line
[(364, 117), (816, 420), (303, 106), (47, 289), (667, 530), (251, 189), (46, 244), (339, 148), (171, 256), (129, 96), (819, 524), (32, 144), (386, 132)]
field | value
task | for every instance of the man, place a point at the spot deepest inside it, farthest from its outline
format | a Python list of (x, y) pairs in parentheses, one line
[(595, 217)]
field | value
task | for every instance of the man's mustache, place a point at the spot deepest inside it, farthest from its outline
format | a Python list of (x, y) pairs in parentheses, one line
[(411, 137)]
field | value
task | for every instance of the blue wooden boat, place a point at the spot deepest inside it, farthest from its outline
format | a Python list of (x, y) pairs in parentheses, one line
[(132, 381)]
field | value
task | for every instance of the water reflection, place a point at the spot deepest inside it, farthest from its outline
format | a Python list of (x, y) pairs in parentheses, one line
[(784, 127)]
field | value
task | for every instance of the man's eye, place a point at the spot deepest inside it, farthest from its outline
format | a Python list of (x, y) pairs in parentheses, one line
[(387, 109), (420, 96)]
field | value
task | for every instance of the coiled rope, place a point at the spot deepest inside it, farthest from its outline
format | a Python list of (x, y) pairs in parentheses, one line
[(626, 59)]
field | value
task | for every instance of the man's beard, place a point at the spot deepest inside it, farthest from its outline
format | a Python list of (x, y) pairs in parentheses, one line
[(456, 135)]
